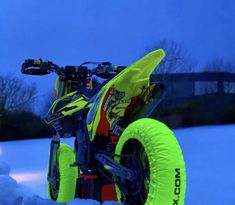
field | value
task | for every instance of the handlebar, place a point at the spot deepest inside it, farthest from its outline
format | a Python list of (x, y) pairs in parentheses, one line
[(39, 67)]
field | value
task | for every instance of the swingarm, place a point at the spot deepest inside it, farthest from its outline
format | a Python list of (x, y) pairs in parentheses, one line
[(115, 168)]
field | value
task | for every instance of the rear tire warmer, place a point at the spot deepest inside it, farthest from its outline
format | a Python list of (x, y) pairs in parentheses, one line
[(68, 175), (166, 163)]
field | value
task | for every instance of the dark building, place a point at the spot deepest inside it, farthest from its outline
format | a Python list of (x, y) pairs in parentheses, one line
[(194, 84), (197, 98)]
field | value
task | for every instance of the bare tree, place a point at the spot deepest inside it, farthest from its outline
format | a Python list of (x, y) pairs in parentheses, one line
[(48, 100), (15, 95), (177, 59), (219, 65)]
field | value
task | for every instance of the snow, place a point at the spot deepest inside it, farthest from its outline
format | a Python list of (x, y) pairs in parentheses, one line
[(28, 162), (26, 183), (12, 193), (4, 168), (209, 155)]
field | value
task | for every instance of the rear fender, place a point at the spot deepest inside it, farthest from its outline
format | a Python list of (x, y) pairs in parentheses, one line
[(117, 94)]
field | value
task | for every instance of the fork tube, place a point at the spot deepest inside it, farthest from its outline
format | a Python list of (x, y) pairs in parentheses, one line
[(61, 88), (54, 146)]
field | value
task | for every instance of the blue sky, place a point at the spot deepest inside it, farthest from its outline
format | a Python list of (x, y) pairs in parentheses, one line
[(73, 31)]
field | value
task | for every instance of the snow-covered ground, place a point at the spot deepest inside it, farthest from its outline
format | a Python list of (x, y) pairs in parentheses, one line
[(210, 161), (209, 154)]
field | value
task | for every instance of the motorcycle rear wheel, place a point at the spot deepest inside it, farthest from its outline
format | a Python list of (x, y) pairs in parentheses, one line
[(65, 176), (161, 164)]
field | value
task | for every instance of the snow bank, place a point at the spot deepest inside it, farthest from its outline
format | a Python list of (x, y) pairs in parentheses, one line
[(4, 168), (36, 200), (12, 193), (9, 191), (83, 202)]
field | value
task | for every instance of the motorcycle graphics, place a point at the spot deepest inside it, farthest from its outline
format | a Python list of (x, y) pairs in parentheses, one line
[(119, 152)]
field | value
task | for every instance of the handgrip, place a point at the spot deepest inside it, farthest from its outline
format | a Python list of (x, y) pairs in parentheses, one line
[(31, 63), (35, 67)]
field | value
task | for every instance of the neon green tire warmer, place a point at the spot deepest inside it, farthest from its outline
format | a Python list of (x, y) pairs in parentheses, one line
[(166, 163), (68, 175)]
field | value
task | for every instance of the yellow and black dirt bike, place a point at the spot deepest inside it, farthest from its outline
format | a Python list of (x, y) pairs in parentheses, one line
[(119, 152)]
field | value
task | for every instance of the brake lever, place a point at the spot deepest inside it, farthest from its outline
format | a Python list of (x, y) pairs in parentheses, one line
[(31, 63)]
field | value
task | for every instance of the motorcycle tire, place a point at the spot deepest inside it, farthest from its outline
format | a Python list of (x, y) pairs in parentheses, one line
[(162, 163), (66, 176)]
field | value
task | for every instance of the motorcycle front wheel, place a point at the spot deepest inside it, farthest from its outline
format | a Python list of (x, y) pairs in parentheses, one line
[(65, 176), (160, 168)]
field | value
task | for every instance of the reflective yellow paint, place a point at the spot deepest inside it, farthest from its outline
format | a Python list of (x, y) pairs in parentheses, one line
[(132, 81)]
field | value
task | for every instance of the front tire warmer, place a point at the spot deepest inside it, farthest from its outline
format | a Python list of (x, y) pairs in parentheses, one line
[(68, 175), (166, 163)]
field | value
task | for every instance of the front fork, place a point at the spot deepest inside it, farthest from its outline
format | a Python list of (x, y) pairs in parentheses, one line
[(52, 169)]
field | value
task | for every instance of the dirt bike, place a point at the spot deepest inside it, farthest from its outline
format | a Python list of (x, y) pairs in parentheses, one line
[(119, 152)]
